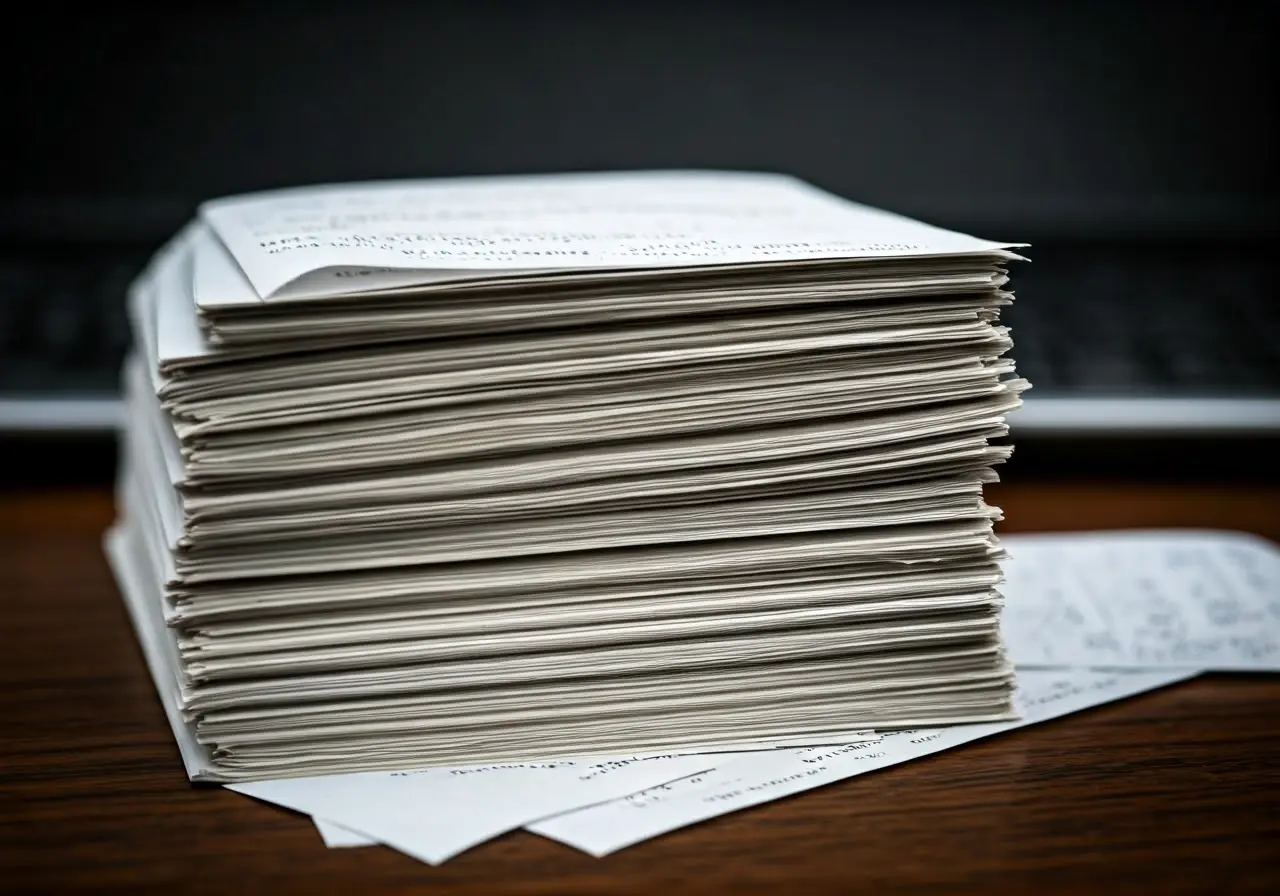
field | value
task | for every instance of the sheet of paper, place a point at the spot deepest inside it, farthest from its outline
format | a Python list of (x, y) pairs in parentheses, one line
[(335, 836), (125, 556), (756, 779), (1143, 599), (435, 814), (376, 236)]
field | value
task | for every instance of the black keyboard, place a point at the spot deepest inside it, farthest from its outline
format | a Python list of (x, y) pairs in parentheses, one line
[(1157, 321), (1090, 321)]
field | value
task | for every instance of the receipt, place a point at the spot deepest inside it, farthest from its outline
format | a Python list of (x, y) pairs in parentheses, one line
[(760, 778), (1143, 599)]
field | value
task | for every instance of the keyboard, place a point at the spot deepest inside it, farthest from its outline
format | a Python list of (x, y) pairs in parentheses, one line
[(63, 335), (1148, 339), (1115, 339)]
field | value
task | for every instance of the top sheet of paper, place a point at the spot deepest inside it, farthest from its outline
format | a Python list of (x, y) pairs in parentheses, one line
[(1148, 599), (326, 240)]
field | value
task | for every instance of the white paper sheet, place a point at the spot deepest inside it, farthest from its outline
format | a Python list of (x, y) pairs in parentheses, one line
[(435, 814), (756, 779), (315, 241), (1143, 599)]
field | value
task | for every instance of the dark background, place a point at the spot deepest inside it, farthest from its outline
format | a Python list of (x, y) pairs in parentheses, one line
[(1019, 120)]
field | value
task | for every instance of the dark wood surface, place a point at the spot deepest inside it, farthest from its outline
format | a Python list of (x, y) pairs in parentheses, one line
[(1174, 791)]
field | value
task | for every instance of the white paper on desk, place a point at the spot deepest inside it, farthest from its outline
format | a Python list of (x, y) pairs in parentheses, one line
[(755, 779), (1143, 599), (435, 814), (337, 836)]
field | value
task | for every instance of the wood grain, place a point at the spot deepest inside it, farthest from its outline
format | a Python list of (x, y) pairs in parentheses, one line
[(1175, 791)]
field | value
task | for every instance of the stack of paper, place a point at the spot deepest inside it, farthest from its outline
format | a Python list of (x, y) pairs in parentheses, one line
[(497, 469)]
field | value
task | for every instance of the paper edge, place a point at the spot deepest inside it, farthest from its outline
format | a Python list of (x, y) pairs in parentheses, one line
[(119, 546)]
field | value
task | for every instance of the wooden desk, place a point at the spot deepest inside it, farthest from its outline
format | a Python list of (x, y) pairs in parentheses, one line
[(1175, 791)]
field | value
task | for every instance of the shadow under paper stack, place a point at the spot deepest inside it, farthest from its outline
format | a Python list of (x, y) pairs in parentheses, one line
[(512, 468)]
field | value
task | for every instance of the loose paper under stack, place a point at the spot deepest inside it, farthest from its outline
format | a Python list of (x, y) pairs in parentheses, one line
[(511, 468)]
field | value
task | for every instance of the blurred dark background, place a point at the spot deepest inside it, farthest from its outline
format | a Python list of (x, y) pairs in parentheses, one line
[(1045, 119), (1100, 132)]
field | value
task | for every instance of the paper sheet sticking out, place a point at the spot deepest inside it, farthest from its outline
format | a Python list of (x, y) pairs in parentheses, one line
[(752, 780), (1143, 599), (435, 814), (328, 239), (335, 836)]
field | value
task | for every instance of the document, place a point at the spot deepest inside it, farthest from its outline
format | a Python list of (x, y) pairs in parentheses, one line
[(489, 470), (312, 241), (756, 779), (748, 779), (435, 814), (1143, 599), (337, 836)]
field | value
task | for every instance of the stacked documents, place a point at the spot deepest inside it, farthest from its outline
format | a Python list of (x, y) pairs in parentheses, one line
[(475, 470)]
